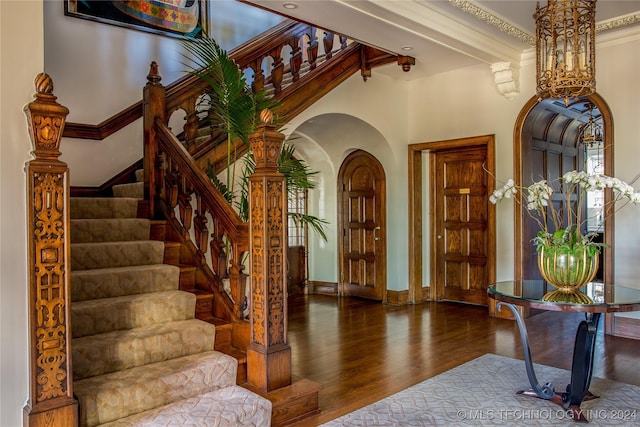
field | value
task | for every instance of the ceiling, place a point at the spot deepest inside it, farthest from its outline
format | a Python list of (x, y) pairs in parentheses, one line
[(444, 34)]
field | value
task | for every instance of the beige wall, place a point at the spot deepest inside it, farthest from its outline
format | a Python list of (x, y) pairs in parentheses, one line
[(395, 113), (466, 103), (22, 58)]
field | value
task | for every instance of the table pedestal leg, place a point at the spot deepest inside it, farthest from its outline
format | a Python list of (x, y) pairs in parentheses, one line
[(581, 369)]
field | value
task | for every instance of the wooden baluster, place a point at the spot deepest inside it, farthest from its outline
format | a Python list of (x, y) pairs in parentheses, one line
[(343, 42), (216, 245), (258, 76), (161, 174), (327, 43), (238, 286), (200, 227), (154, 106), (268, 354), (192, 124), (51, 400), (296, 58), (184, 206), (173, 178), (277, 69), (312, 48)]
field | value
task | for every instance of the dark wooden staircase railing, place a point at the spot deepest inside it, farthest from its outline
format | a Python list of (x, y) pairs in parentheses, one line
[(308, 74)]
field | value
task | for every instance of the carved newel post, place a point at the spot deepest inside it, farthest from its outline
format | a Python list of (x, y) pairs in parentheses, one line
[(51, 399), (268, 354), (153, 106)]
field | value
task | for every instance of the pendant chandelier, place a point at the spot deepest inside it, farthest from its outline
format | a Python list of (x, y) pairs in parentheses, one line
[(592, 132), (565, 49)]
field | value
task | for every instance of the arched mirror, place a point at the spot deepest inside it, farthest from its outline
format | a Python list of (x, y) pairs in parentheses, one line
[(552, 138)]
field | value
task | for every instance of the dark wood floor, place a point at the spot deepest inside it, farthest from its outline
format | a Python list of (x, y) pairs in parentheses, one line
[(362, 351)]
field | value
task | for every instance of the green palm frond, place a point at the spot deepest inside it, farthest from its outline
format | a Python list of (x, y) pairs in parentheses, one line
[(314, 222), (297, 172), (234, 109), (210, 170)]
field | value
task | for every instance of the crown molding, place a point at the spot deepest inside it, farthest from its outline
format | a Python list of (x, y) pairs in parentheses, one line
[(491, 19)]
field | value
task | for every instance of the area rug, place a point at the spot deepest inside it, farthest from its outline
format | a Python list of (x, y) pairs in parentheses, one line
[(482, 392)]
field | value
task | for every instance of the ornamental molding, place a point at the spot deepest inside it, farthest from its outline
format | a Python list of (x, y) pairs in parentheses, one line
[(487, 16), (619, 22), (491, 19)]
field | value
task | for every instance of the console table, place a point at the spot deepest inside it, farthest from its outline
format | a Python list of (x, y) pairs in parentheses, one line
[(603, 298)]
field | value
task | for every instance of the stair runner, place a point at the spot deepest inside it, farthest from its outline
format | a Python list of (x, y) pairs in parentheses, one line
[(140, 357)]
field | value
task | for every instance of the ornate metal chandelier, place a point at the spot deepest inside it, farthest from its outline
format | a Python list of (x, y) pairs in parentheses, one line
[(565, 49)]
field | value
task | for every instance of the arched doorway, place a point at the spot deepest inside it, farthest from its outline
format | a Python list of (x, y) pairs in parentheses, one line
[(546, 142), (362, 221)]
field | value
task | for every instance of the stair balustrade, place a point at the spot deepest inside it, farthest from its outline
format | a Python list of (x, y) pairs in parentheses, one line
[(212, 227)]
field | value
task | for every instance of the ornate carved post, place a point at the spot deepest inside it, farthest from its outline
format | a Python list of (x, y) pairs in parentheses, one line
[(268, 354), (154, 106), (51, 399)]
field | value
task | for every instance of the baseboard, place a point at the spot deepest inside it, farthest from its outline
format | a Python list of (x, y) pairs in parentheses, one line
[(402, 297), (397, 297), (626, 327), (324, 288)]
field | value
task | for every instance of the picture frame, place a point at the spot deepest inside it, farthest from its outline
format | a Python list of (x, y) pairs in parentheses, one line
[(172, 18)]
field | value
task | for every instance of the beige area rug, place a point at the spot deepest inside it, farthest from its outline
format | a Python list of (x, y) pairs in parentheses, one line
[(482, 392)]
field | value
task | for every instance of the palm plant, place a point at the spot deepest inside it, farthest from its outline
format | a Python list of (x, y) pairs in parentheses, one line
[(298, 177), (233, 108)]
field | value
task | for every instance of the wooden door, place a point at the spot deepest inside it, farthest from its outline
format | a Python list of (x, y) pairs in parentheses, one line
[(361, 215), (461, 225)]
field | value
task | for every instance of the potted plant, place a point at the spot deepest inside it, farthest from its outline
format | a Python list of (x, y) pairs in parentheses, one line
[(233, 108), (567, 254)]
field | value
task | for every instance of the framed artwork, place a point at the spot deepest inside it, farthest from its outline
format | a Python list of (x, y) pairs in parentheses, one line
[(174, 18)]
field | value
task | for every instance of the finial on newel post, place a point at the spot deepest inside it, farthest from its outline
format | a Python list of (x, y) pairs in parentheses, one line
[(46, 119)]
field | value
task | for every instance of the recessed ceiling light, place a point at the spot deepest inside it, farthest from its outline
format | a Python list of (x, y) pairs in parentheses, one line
[(407, 48), (289, 5)]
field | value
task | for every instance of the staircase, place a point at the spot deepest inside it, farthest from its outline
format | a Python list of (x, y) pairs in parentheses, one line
[(140, 356)]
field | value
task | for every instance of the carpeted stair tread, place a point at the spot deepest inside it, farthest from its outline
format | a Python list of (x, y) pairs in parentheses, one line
[(109, 229), (131, 311), (140, 357), (120, 281), (229, 407), (117, 350), (87, 256), (120, 394), (133, 190), (103, 207)]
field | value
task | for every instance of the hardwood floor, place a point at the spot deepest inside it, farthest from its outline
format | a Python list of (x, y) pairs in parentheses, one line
[(362, 351)]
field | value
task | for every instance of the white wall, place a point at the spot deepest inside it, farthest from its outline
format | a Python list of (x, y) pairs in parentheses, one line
[(100, 69), (370, 116), (466, 103), (22, 54)]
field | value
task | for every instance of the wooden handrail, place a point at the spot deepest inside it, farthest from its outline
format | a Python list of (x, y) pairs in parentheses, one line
[(232, 225), (250, 55), (204, 216)]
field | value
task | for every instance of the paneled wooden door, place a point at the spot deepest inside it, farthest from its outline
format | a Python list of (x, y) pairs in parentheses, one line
[(461, 224), (362, 240)]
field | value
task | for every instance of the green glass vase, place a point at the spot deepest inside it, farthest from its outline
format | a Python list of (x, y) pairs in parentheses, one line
[(567, 270)]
